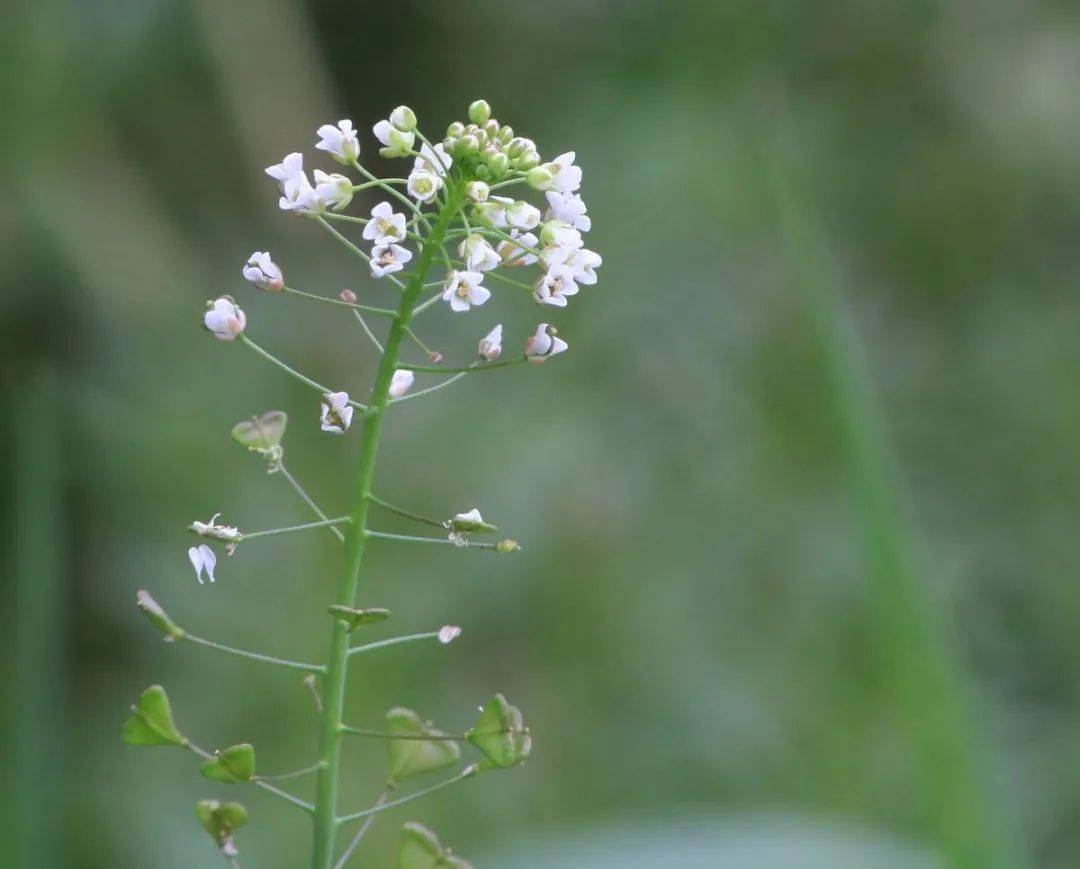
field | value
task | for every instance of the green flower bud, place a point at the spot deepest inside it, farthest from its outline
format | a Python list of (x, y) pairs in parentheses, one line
[(528, 160), (158, 617), (539, 177), (455, 129), (515, 147), (479, 112), (492, 129), (404, 119), (499, 164), (477, 191), (470, 144), (507, 546), (482, 172), (506, 134)]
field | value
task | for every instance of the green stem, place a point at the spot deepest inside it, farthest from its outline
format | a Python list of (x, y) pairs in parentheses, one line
[(393, 641), (254, 656), (409, 538), (408, 514), (385, 734), (371, 309), (307, 380), (465, 773), (340, 520), (325, 820), (364, 827), (430, 389), (438, 369), (307, 499)]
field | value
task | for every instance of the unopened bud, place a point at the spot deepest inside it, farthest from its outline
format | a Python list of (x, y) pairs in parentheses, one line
[(527, 160), (516, 147), (499, 163), (506, 134), (158, 617), (455, 130), (404, 119), (435, 357), (507, 545), (491, 127), (539, 178), (479, 112), (347, 296), (449, 633)]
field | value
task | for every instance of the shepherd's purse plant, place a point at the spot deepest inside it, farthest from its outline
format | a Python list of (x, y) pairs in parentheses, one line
[(445, 237)]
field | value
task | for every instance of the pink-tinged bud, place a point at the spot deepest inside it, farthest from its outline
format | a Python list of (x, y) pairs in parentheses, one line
[(491, 344), (347, 295), (223, 319), (435, 357), (401, 382), (263, 272)]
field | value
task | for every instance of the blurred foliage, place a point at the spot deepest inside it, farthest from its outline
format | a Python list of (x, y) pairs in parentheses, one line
[(690, 626)]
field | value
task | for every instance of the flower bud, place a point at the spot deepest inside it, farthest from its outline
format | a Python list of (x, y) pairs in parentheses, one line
[(527, 160), (506, 133), (397, 142), (455, 130), (491, 344), (482, 172), (401, 382), (347, 296), (449, 633), (506, 546), (479, 111), (539, 178), (470, 143), (522, 215), (263, 272), (516, 147), (404, 119), (435, 357), (491, 127), (224, 319), (498, 164), (158, 617), (477, 191)]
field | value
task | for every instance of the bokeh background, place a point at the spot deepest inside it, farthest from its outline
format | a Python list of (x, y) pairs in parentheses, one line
[(798, 509)]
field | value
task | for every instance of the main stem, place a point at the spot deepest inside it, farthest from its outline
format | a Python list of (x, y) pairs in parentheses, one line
[(325, 817)]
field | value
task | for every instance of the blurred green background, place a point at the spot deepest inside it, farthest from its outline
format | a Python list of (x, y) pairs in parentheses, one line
[(798, 581)]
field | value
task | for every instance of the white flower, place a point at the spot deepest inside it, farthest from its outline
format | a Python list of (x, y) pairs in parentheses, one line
[(388, 258), (401, 382), (298, 195), (385, 227), (339, 142), (583, 263), (543, 344), (463, 290), (568, 207), (477, 191), (462, 524), (559, 233), (263, 272), (434, 160), (478, 254), (423, 186), (449, 633), (202, 558), (492, 212), (522, 215), (211, 529), (491, 344), (337, 413), (555, 285), (333, 190), (397, 142), (293, 164), (516, 255), (565, 176), (224, 319)]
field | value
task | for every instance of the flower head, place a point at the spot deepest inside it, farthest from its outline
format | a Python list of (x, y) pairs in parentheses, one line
[(224, 319), (463, 290), (544, 343), (339, 142), (388, 258), (292, 164), (396, 141), (385, 227), (478, 254), (263, 272), (333, 190), (555, 285), (491, 344), (401, 382), (202, 558), (568, 207), (423, 186), (515, 254), (337, 413)]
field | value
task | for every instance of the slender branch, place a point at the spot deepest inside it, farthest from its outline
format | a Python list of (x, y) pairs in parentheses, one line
[(254, 656), (507, 183), (307, 380), (348, 852), (272, 532), (397, 194), (437, 369), (315, 767), (384, 312), (385, 734), (490, 230), (349, 218), (465, 773), (506, 280), (408, 514), (423, 306), (429, 389), (337, 532), (419, 343), (408, 538), (352, 247), (367, 330), (393, 641), (379, 183), (266, 786)]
